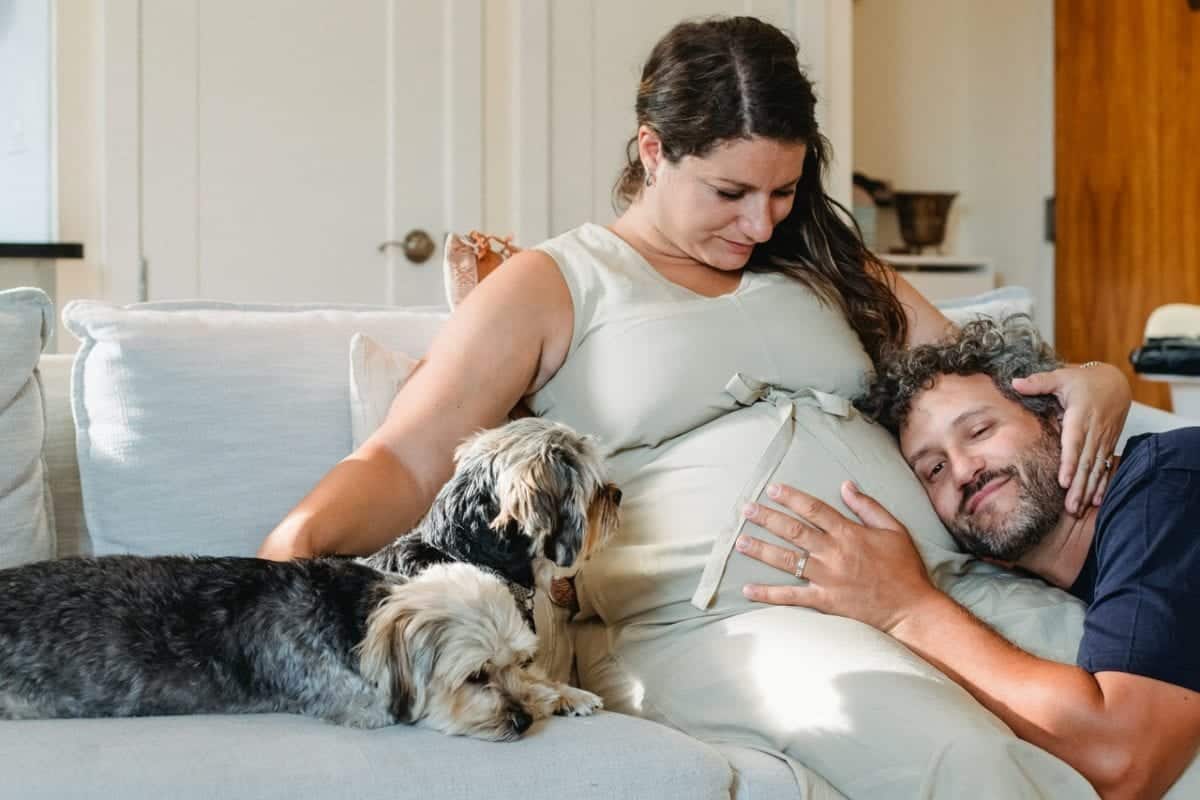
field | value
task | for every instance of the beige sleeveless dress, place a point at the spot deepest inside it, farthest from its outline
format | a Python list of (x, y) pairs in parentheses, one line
[(699, 403)]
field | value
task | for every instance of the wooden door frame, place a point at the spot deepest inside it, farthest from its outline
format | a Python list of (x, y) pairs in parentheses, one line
[(122, 227), (1126, 190)]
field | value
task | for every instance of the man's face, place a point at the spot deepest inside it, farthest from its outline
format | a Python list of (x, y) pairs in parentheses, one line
[(988, 464)]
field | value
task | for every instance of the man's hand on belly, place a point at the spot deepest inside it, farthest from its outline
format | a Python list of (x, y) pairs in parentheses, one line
[(867, 571)]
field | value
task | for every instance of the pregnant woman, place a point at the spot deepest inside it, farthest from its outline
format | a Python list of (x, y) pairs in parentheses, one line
[(712, 338)]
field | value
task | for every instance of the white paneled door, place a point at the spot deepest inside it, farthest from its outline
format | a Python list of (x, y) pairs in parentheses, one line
[(288, 149)]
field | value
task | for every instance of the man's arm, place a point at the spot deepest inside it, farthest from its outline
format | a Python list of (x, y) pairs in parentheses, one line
[(1129, 736)]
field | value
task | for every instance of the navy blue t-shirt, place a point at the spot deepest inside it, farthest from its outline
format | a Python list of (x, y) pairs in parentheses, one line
[(1141, 580)]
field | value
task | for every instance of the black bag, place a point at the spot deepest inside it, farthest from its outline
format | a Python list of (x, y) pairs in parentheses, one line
[(1170, 355)]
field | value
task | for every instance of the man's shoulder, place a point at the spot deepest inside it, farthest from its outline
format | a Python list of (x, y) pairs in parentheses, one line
[(1147, 456), (1173, 449), (1159, 476), (1147, 559)]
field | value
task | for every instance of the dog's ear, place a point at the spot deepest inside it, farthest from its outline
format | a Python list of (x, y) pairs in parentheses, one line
[(603, 519), (566, 545), (390, 655), (526, 494)]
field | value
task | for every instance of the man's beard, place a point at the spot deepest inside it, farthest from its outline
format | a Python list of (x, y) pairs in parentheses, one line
[(1040, 503)]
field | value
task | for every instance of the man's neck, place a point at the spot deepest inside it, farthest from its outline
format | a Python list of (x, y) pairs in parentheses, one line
[(1060, 557)]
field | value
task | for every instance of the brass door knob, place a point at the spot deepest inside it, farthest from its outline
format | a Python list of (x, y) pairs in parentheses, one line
[(418, 246)]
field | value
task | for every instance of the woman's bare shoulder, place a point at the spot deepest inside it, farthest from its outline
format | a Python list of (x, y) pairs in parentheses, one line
[(529, 292)]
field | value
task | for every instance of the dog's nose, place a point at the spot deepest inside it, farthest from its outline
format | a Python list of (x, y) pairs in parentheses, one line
[(520, 720), (616, 496)]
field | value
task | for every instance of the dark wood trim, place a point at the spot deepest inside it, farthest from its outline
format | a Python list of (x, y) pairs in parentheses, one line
[(41, 250)]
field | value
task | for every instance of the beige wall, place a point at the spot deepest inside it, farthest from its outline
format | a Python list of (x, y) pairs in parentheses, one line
[(80, 95), (497, 100), (957, 95), (948, 94)]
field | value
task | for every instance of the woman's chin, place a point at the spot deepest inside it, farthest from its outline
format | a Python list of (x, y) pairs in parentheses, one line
[(723, 258)]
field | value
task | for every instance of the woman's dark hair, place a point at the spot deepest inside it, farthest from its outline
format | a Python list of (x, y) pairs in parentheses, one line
[(710, 82)]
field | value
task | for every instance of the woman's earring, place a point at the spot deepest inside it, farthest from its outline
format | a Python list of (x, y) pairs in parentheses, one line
[(649, 180)]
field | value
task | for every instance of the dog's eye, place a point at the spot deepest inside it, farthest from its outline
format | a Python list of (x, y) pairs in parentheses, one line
[(527, 663), (478, 676)]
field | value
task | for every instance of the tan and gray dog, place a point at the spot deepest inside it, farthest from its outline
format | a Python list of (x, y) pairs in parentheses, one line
[(528, 501)]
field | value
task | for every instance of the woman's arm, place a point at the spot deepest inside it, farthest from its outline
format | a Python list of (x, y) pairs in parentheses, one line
[(926, 324), (507, 338)]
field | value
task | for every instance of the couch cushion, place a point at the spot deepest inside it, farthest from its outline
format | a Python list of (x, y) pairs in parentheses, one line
[(199, 425), (376, 374), (26, 513), (281, 756)]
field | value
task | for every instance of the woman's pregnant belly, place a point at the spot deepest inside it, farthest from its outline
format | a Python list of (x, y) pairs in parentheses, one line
[(681, 495)]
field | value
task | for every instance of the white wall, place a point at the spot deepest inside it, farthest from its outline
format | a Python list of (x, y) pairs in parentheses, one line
[(957, 95), (497, 100), (910, 102), (80, 94), (26, 145)]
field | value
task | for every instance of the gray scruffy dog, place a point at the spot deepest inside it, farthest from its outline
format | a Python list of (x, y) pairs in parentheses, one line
[(426, 632), (129, 636)]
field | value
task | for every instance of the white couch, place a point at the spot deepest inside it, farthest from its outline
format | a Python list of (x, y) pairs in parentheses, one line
[(284, 756), (163, 383)]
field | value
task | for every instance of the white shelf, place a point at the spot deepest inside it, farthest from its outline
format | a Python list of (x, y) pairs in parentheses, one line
[(906, 261), (940, 277)]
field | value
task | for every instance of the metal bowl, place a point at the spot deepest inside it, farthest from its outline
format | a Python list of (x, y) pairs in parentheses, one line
[(923, 217)]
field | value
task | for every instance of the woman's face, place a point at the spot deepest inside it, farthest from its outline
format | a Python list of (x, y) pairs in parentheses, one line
[(716, 208)]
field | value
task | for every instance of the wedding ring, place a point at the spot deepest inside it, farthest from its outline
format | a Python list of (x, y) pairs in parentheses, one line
[(801, 563), (1108, 463)]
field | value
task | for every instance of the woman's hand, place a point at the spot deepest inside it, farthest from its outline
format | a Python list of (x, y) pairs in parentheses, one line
[(1095, 401), (870, 572)]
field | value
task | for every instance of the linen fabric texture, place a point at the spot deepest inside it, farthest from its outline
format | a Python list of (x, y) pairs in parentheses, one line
[(26, 507)]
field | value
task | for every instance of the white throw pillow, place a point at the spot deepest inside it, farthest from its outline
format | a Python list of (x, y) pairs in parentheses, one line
[(26, 511), (997, 304), (199, 425), (376, 374)]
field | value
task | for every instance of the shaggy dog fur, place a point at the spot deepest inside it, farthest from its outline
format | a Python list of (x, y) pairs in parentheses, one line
[(330, 638), (528, 500)]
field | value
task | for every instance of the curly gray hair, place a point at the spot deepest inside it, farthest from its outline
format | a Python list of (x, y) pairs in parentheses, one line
[(1003, 350)]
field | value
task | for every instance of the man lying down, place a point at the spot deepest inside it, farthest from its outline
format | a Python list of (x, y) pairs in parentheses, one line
[(1128, 715)]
